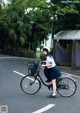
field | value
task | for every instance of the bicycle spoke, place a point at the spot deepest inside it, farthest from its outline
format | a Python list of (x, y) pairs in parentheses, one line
[(66, 87), (30, 85)]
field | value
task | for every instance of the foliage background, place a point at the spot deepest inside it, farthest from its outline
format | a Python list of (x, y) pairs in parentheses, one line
[(26, 23)]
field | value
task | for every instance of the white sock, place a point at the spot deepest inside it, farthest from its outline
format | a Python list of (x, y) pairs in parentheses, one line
[(53, 94)]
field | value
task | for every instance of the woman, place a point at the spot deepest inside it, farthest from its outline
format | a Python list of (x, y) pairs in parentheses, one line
[(51, 71)]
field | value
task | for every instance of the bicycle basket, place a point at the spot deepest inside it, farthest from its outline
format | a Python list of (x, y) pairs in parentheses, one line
[(32, 68)]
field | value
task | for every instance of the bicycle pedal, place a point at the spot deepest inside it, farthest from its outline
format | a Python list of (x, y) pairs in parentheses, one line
[(50, 86)]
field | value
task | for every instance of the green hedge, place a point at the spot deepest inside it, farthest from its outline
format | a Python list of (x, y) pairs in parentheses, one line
[(42, 57), (20, 52)]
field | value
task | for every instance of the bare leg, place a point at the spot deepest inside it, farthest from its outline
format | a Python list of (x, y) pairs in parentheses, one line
[(54, 87), (53, 95)]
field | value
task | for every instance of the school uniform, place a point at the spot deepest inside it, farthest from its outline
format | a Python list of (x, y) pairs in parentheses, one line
[(51, 72)]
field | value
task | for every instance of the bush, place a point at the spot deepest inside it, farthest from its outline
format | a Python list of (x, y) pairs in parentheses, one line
[(21, 52), (26, 53), (42, 57), (30, 54)]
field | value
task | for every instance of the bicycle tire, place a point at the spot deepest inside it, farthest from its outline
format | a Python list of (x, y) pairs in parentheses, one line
[(30, 85), (66, 86)]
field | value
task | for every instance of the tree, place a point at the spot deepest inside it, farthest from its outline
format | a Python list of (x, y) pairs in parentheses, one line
[(67, 16), (28, 22), (22, 26)]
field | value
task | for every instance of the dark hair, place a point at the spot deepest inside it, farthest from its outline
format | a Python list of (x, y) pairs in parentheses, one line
[(44, 49)]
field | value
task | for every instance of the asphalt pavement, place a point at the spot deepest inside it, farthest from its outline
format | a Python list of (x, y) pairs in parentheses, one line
[(12, 69)]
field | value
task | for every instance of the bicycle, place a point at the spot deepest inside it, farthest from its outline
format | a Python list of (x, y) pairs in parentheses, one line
[(31, 84)]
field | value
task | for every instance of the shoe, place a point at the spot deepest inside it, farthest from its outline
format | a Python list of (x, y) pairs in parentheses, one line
[(51, 96)]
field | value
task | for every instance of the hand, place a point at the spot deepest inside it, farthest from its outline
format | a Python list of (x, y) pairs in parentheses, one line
[(42, 66)]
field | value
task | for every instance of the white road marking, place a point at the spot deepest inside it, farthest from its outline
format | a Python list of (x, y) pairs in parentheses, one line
[(23, 75), (19, 73), (5, 57), (45, 108), (9, 57), (68, 74)]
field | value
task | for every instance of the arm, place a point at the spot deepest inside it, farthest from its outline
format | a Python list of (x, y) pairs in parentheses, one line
[(49, 62), (48, 65)]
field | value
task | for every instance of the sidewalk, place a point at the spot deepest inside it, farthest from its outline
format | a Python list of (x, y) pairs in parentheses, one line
[(69, 70)]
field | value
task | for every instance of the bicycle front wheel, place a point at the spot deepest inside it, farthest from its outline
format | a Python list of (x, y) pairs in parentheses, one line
[(66, 86), (30, 85)]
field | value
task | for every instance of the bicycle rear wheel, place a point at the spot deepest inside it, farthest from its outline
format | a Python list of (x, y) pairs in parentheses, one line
[(30, 85), (66, 86)]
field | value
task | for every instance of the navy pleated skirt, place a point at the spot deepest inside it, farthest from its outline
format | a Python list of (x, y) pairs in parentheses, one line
[(52, 73)]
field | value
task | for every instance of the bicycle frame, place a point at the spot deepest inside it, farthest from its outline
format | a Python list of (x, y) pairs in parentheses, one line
[(62, 84), (37, 75)]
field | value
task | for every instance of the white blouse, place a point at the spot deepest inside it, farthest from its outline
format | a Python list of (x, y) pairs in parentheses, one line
[(50, 60)]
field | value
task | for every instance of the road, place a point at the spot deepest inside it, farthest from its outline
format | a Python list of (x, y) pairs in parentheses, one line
[(17, 101)]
